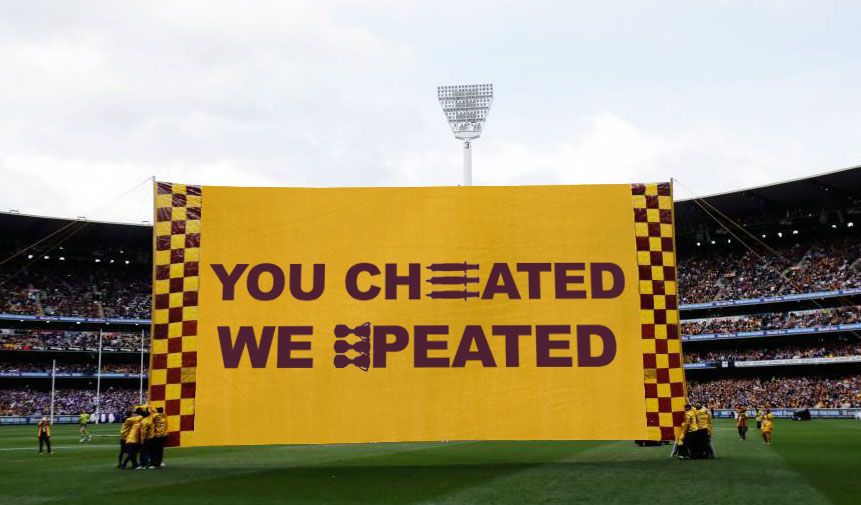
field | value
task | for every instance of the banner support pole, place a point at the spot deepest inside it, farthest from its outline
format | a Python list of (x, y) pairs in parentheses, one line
[(99, 378), (53, 386), (140, 389)]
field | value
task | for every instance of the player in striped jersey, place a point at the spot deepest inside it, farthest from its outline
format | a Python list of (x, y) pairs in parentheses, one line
[(741, 421)]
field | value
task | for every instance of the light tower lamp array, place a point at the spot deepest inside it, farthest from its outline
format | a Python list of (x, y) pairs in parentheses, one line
[(466, 108)]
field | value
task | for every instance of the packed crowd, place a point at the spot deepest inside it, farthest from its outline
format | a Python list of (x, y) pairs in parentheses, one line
[(53, 288), (26, 340), (130, 300), (829, 350), (76, 290), (780, 392), (25, 401), (14, 300), (774, 321), (68, 368), (91, 290), (724, 275)]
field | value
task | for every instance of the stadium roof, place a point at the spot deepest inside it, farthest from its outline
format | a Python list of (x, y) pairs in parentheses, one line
[(800, 189), (24, 230), (821, 198), (824, 198)]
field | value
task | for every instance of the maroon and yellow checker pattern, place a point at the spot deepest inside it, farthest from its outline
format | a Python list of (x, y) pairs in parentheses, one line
[(663, 371), (176, 286)]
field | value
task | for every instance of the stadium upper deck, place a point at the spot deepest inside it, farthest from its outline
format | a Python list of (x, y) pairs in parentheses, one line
[(770, 283)]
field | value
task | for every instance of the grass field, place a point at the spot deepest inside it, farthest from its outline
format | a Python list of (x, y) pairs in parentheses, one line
[(811, 463)]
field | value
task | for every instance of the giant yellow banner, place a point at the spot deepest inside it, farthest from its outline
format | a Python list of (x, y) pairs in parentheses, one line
[(306, 316)]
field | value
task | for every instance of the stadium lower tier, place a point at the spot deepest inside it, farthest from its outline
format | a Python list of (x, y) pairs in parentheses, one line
[(30, 401), (51, 339), (780, 392), (790, 348)]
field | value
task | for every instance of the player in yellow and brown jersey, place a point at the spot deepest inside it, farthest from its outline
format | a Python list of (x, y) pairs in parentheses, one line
[(741, 421)]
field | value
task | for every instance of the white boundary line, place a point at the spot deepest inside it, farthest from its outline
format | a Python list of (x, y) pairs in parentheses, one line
[(36, 449)]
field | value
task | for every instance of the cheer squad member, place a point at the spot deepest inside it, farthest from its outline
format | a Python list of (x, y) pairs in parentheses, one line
[(43, 432), (159, 424), (132, 429)]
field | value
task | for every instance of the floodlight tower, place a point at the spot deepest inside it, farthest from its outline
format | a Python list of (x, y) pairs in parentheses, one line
[(466, 107)]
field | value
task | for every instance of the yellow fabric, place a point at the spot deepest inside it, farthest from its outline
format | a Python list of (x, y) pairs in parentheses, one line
[(758, 415), (768, 422), (134, 433), (43, 426), (159, 422), (147, 431), (126, 428), (688, 426), (342, 227), (704, 419), (691, 420)]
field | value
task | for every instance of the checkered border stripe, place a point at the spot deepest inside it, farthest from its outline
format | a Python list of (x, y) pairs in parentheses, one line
[(663, 372), (176, 286)]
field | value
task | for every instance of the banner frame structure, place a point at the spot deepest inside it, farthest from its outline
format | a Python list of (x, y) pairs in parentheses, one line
[(176, 330), (176, 286), (663, 370)]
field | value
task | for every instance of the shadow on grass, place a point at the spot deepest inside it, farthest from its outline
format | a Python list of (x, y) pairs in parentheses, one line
[(455, 473), (318, 485), (378, 473), (628, 482)]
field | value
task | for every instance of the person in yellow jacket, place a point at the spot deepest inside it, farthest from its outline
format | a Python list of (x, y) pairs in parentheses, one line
[(147, 433), (43, 433), (688, 442), (124, 431), (159, 423), (767, 426), (704, 420), (132, 429), (758, 418)]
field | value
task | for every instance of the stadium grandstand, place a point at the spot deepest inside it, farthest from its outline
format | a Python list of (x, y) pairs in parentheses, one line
[(770, 281)]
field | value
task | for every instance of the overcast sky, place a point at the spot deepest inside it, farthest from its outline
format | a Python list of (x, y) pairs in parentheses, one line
[(97, 96)]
